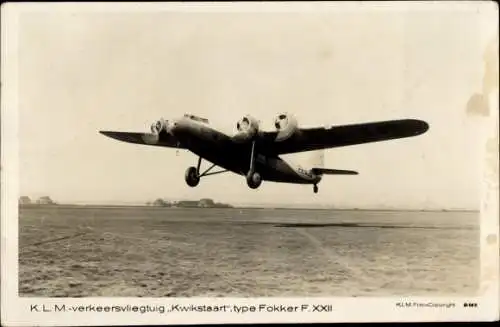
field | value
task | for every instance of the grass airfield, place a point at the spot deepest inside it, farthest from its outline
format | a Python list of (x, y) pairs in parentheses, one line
[(93, 251)]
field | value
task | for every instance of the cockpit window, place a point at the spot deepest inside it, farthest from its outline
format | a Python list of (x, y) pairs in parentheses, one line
[(196, 118)]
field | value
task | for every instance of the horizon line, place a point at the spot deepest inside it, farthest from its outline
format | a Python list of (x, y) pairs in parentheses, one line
[(257, 206)]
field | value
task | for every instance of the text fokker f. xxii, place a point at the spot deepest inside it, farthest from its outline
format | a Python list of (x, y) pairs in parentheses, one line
[(255, 153)]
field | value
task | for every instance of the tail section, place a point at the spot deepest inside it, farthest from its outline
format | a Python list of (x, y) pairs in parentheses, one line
[(317, 159), (318, 162), (325, 171)]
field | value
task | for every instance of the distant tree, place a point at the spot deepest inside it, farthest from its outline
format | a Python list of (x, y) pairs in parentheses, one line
[(159, 203)]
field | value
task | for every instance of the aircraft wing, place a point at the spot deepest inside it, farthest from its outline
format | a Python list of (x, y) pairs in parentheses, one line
[(308, 139), (162, 139)]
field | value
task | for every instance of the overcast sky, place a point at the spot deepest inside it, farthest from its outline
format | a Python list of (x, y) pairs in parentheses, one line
[(81, 72)]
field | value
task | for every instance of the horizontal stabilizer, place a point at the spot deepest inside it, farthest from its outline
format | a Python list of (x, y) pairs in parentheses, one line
[(326, 171)]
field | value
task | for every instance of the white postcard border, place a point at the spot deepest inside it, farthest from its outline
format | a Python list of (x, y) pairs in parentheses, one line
[(19, 311)]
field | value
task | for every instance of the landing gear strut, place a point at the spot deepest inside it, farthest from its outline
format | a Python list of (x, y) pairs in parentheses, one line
[(193, 175), (253, 178), (315, 188)]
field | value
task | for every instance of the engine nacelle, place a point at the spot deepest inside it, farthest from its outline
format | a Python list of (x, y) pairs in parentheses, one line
[(160, 126), (286, 125), (247, 128)]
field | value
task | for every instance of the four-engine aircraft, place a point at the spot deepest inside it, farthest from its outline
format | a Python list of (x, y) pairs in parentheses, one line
[(255, 153)]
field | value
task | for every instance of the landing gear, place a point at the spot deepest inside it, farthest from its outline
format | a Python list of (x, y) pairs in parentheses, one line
[(193, 175), (315, 188), (253, 178), (192, 178)]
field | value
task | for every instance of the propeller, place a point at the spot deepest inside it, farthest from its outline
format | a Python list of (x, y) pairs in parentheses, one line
[(156, 128), (159, 126), (281, 121)]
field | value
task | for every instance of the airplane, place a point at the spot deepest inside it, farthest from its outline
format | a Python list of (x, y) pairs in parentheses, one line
[(255, 153)]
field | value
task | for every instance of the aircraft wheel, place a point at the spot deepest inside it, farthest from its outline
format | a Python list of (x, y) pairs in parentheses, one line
[(192, 178), (254, 180), (315, 188)]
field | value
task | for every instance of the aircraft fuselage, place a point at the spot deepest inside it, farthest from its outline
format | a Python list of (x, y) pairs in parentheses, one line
[(218, 148)]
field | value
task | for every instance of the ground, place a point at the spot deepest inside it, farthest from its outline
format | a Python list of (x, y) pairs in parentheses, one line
[(172, 252)]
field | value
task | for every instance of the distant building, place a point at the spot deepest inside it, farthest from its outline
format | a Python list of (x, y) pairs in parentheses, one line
[(188, 204), (206, 203), (45, 200), (202, 203), (161, 203), (24, 200), (222, 205)]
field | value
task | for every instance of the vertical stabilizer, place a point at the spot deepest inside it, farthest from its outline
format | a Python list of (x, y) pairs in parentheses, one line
[(317, 159), (317, 165)]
